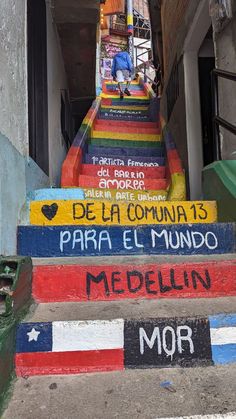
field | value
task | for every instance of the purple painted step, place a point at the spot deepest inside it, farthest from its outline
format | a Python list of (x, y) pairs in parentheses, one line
[(126, 151), (138, 161)]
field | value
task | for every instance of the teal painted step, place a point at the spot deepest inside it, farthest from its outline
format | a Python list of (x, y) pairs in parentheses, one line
[(105, 142), (219, 184), (178, 239)]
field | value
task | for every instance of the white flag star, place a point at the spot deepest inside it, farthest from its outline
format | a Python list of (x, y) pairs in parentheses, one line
[(33, 335)]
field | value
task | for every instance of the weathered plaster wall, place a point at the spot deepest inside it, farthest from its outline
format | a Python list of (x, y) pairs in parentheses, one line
[(13, 73), (225, 48), (57, 82), (17, 176)]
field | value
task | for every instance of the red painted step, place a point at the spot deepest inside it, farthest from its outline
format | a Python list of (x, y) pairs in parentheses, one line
[(135, 124), (53, 283), (142, 130), (124, 172), (85, 181)]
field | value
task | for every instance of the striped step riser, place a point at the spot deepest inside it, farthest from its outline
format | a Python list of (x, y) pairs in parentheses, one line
[(111, 135), (87, 346), (123, 172), (157, 151), (131, 161), (104, 116), (110, 143), (110, 213), (123, 113), (125, 195), (63, 241), (126, 108), (114, 87), (105, 127), (121, 183), (136, 99), (129, 124), (64, 283)]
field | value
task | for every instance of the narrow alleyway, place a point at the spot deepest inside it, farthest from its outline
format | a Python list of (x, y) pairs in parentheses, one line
[(101, 247)]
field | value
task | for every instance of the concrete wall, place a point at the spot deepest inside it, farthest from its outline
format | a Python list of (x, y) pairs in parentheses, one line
[(225, 49), (18, 172), (57, 82), (177, 16), (13, 73)]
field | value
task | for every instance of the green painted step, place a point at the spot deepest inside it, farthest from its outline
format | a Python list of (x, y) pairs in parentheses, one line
[(106, 142)]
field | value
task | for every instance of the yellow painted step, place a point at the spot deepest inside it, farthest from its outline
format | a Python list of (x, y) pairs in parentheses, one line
[(125, 136), (125, 195), (103, 212), (111, 96)]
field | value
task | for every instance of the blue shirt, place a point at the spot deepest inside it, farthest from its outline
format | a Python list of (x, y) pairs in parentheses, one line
[(121, 61)]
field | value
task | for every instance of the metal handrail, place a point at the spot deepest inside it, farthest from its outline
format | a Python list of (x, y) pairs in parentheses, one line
[(217, 121)]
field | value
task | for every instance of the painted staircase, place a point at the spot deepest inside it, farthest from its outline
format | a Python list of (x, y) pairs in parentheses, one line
[(127, 273)]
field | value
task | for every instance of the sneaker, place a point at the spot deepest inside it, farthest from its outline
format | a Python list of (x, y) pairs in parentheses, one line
[(121, 95), (127, 92)]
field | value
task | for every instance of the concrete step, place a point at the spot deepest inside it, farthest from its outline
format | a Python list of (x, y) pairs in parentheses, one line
[(62, 338), (130, 124), (131, 161), (157, 151), (112, 213), (181, 239), (137, 98), (105, 126), (123, 143), (125, 172), (118, 135), (110, 279), (86, 181), (139, 394), (125, 195), (108, 213), (122, 115)]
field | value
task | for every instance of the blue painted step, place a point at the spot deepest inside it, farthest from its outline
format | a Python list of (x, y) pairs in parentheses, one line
[(181, 239), (126, 151), (139, 161), (124, 117), (112, 87)]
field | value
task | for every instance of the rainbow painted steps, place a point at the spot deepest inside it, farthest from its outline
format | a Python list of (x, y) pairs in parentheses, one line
[(60, 344), (132, 217)]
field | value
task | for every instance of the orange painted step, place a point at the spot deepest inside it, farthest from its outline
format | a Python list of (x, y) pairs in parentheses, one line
[(124, 172), (135, 124), (135, 130), (121, 183)]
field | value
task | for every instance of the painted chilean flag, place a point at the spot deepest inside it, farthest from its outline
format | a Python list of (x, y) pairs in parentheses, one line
[(70, 347)]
